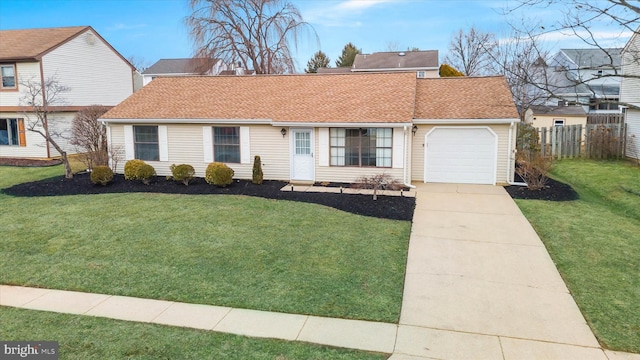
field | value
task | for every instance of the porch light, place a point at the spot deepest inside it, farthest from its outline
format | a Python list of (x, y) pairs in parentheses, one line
[(414, 129), (283, 132)]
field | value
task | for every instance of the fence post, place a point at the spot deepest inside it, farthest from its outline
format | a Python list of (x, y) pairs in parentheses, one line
[(579, 142)]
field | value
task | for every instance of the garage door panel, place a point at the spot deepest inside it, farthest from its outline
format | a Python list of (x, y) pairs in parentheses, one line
[(460, 155)]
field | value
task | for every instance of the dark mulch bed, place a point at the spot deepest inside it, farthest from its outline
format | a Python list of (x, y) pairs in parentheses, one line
[(29, 162), (387, 207), (554, 191)]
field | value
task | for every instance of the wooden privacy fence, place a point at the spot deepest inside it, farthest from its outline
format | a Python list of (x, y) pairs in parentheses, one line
[(594, 141), (605, 119)]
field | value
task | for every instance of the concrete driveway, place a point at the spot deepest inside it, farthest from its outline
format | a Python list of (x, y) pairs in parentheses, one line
[(481, 285)]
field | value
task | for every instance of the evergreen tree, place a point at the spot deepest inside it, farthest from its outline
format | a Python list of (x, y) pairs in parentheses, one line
[(318, 60), (348, 55), (448, 71)]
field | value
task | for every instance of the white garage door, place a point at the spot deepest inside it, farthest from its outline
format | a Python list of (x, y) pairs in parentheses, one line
[(460, 155)]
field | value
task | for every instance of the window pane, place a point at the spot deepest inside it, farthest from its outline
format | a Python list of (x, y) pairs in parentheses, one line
[(145, 139), (147, 152), (226, 144), (4, 132), (13, 131), (8, 76), (303, 143)]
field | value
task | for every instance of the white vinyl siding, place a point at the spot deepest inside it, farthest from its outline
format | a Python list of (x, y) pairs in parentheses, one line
[(186, 145), (91, 69), (630, 93), (24, 72)]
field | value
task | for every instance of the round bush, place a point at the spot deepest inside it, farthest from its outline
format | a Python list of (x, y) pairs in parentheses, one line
[(131, 169), (101, 175), (219, 174), (145, 173), (183, 173)]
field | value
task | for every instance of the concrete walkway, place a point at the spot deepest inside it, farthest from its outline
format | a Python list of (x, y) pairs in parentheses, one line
[(479, 285)]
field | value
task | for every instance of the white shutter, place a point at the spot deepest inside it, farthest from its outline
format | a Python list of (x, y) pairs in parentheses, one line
[(245, 146), (207, 143), (129, 150), (163, 144), (323, 146), (398, 148)]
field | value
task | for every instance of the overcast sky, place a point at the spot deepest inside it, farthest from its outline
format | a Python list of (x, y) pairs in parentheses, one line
[(154, 29)]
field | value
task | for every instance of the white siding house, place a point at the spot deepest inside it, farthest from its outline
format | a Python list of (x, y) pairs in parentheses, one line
[(630, 93), (79, 59)]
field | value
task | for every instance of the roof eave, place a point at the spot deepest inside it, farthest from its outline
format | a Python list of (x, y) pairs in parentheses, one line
[(464, 121)]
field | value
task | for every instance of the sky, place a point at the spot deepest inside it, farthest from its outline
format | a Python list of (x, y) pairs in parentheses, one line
[(154, 29)]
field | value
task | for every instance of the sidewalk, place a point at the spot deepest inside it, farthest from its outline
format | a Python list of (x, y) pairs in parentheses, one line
[(479, 285)]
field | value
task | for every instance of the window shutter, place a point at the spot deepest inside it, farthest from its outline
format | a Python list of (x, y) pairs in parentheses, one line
[(163, 143), (398, 148), (207, 143), (323, 146), (129, 150), (22, 136), (245, 146)]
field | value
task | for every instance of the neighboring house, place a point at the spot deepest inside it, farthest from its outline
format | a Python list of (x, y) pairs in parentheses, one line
[(630, 93), (78, 58), (323, 127), (586, 76), (424, 63), (183, 67), (542, 116)]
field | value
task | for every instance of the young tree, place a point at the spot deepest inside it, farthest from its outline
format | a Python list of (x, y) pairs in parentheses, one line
[(138, 62), (318, 60), (348, 55), (90, 137), (40, 99), (470, 52), (257, 33)]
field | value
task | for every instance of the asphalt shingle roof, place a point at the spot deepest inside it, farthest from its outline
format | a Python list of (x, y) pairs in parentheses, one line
[(194, 66), (332, 98), (33, 43), (397, 59), (464, 98), (558, 110)]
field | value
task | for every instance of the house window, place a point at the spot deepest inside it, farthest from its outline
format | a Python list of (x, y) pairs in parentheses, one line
[(360, 147), (8, 76), (558, 122), (9, 132), (146, 143), (226, 144)]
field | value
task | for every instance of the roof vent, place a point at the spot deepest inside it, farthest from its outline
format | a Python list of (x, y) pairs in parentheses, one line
[(90, 38), (401, 54)]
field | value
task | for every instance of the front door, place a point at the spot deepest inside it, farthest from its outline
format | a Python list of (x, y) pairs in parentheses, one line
[(302, 164)]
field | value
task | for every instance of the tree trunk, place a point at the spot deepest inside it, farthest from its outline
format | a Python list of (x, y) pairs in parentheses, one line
[(68, 174)]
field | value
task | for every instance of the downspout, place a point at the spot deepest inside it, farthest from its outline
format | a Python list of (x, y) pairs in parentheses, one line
[(511, 154), (406, 160)]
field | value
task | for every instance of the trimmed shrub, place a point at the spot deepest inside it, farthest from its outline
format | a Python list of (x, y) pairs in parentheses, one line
[(145, 173), (101, 175), (447, 70), (183, 173), (219, 174), (258, 176), (131, 169)]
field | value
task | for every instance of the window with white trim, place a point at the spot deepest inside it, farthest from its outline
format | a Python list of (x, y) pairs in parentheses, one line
[(558, 122), (8, 72), (362, 147), (226, 144), (145, 141)]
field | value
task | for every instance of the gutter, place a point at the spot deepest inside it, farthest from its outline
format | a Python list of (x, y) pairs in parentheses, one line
[(510, 153)]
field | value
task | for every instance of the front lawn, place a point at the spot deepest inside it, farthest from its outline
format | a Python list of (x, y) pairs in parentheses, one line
[(595, 243), (85, 337), (226, 250)]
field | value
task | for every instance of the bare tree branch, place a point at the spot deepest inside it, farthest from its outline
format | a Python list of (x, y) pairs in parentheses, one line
[(471, 52)]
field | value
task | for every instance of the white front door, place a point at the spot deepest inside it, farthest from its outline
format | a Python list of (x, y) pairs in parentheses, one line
[(302, 163)]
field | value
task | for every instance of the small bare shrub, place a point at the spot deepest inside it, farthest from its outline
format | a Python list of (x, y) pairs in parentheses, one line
[(533, 167), (377, 182), (604, 143)]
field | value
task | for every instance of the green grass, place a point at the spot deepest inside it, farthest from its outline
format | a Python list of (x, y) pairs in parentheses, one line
[(595, 243), (223, 250), (83, 337)]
